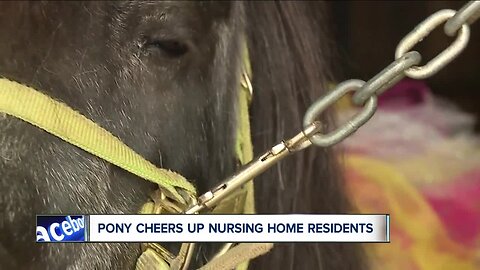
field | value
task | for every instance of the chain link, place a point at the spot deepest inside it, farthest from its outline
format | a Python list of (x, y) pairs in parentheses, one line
[(446, 56), (457, 22), (351, 126)]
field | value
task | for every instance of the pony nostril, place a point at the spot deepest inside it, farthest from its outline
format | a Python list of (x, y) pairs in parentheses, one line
[(172, 48)]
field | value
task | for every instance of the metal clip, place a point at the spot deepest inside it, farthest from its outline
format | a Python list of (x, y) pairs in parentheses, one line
[(254, 168)]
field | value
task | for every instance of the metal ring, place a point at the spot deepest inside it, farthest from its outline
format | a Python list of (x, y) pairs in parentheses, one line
[(389, 76), (420, 32), (348, 128), (468, 14)]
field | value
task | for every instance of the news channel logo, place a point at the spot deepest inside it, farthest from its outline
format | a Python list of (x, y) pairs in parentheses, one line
[(61, 228)]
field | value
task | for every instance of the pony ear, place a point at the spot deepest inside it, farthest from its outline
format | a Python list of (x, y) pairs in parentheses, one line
[(287, 48)]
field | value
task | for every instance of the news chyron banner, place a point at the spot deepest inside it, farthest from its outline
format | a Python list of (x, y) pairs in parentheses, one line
[(214, 228)]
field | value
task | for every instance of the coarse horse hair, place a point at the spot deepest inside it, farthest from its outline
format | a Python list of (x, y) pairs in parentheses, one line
[(162, 77)]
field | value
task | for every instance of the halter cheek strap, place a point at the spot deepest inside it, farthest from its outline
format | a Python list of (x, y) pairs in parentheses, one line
[(240, 201)]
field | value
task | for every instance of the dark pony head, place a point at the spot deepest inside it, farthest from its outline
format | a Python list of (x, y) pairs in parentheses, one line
[(162, 76)]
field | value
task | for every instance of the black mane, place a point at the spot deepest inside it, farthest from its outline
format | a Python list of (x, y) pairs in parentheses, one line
[(290, 66)]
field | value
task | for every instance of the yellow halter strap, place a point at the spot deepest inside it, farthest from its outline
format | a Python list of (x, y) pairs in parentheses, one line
[(58, 119)]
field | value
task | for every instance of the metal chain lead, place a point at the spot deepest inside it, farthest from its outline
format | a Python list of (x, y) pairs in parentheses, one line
[(365, 95), (457, 22)]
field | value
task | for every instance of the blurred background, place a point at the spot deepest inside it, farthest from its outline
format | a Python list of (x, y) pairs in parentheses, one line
[(418, 159), (366, 34)]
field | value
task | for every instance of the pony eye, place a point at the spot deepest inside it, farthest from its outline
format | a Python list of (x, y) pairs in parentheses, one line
[(171, 48)]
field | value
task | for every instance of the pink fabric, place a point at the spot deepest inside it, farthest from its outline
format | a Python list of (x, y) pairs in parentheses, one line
[(405, 94), (458, 205)]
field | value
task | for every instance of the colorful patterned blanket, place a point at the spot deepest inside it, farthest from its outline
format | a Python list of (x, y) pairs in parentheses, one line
[(419, 161)]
